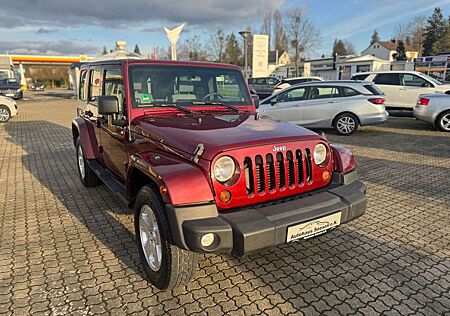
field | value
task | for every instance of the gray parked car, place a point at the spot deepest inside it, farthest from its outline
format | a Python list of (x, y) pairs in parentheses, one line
[(342, 105), (263, 86), (434, 109)]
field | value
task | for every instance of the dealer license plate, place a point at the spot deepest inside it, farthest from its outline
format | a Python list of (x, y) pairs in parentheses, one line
[(313, 228)]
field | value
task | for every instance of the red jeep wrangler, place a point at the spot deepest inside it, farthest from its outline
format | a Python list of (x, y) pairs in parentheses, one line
[(181, 142)]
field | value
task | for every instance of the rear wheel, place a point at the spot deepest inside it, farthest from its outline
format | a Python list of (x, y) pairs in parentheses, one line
[(345, 124), (5, 114), (87, 175), (443, 121), (165, 265)]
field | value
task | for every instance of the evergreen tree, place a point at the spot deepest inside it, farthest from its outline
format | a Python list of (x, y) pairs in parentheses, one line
[(136, 49), (443, 45), (375, 37), (233, 52), (434, 31), (339, 48), (401, 51), (105, 51)]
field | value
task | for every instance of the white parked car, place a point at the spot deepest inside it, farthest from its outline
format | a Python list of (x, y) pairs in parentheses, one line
[(284, 83), (402, 88), (342, 105), (8, 109), (434, 109)]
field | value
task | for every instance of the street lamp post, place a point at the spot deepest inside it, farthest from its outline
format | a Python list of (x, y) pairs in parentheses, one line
[(245, 35)]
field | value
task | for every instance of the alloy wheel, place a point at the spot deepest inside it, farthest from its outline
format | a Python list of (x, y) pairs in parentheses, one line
[(150, 237), (445, 122), (81, 162), (346, 125), (4, 115)]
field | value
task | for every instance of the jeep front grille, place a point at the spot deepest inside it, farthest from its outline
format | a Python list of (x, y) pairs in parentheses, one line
[(284, 170)]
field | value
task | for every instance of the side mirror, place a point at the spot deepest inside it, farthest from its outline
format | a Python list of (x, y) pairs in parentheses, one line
[(426, 85), (255, 98), (108, 104), (274, 101)]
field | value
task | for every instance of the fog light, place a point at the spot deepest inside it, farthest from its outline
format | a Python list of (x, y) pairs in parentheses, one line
[(326, 175), (225, 196), (207, 239)]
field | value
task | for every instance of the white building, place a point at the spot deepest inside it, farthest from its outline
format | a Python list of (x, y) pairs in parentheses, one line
[(387, 50)]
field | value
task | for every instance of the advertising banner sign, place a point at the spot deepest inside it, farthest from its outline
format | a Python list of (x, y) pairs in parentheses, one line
[(260, 56)]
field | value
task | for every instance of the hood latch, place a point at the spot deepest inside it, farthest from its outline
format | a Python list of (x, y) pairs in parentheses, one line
[(198, 152)]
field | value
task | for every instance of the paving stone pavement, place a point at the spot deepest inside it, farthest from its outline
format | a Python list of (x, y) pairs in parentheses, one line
[(69, 250)]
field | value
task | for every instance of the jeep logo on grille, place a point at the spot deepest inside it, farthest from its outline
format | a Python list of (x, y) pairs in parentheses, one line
[(279, 148)]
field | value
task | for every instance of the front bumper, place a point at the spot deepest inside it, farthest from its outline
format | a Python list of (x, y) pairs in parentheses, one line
[(246, 230)]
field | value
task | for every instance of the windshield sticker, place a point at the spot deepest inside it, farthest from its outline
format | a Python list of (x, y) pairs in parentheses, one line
[(145, 97)]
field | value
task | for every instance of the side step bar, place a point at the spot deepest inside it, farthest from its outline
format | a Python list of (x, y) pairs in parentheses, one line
[(109, 180)]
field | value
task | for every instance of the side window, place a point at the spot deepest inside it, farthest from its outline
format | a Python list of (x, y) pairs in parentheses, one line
[(94, 85), (272, 81), (82, 88), (297, 94), (414, 81), (392, 79), (112, 85), (324, 92), (349, 92)]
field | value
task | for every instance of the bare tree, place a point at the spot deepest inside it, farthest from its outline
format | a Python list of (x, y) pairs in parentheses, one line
[(267, 26), (192, 50), (349, 47), (216, 45), (303, 35), (411, 33), (280, 41)]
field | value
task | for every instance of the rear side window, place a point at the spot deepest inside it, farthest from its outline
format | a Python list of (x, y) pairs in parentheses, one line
[(349, 92), (94, 85), (373, 89), (391, 79), (359, 77), (82, 88), (324, 92)]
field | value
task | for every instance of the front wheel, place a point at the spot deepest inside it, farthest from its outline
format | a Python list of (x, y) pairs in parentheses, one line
[(443, 121), (5, 114), (345, 124), (165, 265)]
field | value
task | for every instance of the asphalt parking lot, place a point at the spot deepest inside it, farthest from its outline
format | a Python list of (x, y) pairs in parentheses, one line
[(67, 250)]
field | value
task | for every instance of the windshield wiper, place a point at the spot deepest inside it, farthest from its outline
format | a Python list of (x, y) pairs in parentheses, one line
[(176, 106), (215, 103)]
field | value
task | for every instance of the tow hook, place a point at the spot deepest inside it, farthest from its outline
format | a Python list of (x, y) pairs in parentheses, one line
[(198, 152)]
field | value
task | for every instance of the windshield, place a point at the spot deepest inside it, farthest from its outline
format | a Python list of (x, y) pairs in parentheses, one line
[(433, 80), (184, 85)]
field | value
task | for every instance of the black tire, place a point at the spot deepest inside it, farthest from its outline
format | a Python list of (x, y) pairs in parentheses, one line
[(177, 266), (442, 122), (88, 177), (346, 124), (6, 114)]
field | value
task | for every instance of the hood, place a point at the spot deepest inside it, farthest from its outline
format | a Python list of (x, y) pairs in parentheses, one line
[(220, 132), (443, 88)]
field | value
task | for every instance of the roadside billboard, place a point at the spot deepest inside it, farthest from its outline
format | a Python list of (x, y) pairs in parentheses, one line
[(260, 59)]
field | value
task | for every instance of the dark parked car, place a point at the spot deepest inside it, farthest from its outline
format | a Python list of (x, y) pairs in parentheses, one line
[(11, 88), (263, 86), (38, 86), (203, 171)]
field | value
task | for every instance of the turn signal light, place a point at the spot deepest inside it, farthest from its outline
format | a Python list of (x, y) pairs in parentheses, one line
[(325, 175), (423, 101), (225, 196), (376, 100)]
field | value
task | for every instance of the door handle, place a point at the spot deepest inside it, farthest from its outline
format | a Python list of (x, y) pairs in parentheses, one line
[(402, 88), (331, 102)]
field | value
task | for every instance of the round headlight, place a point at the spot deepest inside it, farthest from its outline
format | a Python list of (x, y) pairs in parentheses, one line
[(224, 168), (320, 154)]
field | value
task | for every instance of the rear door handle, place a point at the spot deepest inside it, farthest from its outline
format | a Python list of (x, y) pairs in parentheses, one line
[(331, 101)]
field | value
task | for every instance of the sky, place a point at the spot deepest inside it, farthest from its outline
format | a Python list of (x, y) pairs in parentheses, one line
[(85, 26)]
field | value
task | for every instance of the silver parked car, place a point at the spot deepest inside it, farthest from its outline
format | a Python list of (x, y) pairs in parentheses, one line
[(434, 109), (342, 105)]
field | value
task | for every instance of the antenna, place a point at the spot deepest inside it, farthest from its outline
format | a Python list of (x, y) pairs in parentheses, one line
[(173, 36)]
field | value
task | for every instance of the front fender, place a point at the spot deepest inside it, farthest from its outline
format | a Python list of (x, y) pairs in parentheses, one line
[(179, 181), (86, 132)]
